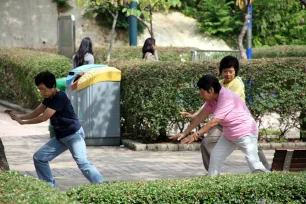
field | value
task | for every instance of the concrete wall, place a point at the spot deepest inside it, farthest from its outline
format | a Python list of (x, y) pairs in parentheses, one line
[(28, 23), (33, 23), (86, 27)]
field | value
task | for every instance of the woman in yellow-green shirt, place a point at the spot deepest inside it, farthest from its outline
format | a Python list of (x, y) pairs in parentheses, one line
[(229, 69)]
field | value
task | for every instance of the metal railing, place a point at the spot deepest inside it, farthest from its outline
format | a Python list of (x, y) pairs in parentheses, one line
[(212, 55)]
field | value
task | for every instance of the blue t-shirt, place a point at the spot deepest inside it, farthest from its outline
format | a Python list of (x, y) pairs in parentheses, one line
[(64, 121)]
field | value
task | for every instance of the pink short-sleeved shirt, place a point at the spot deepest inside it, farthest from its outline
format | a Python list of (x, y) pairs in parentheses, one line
[(235, 117)]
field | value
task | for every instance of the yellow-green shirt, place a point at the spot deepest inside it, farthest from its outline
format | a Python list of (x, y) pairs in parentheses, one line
[(236, 85)]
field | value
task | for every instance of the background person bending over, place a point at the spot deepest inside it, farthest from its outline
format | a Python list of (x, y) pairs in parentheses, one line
[(239, 127), (68, 132), (229, 69), (149, 50)]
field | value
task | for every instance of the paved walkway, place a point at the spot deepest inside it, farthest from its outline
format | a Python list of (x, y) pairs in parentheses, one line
[(115, 163)]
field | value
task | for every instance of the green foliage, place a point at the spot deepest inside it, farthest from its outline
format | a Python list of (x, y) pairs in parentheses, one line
[(15, 188), (279, 22), (166, 88), (147, 7), (62, 5), (18, 67), (125, 53), (101, 12), (278, 86), (248, 188), (281, 51), (153, 94), (275, 22), (220, 18)]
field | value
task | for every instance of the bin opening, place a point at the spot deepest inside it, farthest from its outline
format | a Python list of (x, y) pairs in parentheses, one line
[(71, 73)]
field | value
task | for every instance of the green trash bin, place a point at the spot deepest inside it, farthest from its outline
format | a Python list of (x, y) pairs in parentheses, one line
[(61, 85)]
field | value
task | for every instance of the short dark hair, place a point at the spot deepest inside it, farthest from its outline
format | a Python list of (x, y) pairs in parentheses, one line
[(46, 78), (227, 62), (209, 81)]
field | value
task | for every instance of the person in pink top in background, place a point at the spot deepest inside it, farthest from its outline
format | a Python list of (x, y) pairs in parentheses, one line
[(239, 127)]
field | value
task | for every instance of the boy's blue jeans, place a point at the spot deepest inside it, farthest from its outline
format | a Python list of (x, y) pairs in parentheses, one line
[(76, 145)]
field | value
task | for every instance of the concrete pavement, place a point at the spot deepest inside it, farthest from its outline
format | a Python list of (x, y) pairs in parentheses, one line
[(115, 163)]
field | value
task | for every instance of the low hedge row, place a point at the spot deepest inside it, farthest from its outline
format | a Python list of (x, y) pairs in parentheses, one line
[(153, 94), (125, 52), (247, 188), (184, 53), (18, 67), (16, 188), (281, 51)]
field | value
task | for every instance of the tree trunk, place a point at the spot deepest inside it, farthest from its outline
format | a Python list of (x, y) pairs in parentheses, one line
[(151, 23), (242, 34), (3, 162), (112, 36), (145, 24), (303, 2)]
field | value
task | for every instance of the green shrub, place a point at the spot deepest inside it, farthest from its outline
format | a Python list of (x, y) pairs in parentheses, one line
[(125, 52), (18, 67), (247, 188), (16, 188), (153, 93), (282, 51), (164, 53)]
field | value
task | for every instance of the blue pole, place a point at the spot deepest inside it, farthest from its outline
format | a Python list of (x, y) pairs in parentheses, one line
[(133, 26), (249, 33)]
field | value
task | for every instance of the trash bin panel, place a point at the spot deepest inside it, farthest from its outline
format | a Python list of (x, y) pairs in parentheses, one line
[(84, 68), (61, 84), (99, 75), (99, 113)]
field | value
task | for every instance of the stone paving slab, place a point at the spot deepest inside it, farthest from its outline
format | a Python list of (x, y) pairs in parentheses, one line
[(115, 163)]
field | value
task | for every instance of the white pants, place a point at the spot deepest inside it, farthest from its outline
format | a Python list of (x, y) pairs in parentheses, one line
[(224, 147)]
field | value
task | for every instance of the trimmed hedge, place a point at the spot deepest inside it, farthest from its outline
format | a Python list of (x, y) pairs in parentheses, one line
[(16, 188), (248, 188), (18, 68), (281, 51), (125, 52), (153, 93), (184, 53)]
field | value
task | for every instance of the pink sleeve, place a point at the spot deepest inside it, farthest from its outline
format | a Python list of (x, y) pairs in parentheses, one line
[(223, 107)]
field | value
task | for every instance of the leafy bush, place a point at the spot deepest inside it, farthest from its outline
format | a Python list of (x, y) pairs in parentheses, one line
[(15, 188), (18, 67), (164, 53), (281, 51), (153, 94), (275, 22), (248, 188)]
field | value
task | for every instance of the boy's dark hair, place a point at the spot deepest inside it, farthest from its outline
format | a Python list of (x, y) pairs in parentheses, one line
[(227, 62), (209, 81), (47, 78)]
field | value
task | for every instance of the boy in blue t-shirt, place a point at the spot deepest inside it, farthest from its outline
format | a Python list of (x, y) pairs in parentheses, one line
[(69, 133)]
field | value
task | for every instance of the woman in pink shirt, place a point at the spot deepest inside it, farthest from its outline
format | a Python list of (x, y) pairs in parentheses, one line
[(239, 127)]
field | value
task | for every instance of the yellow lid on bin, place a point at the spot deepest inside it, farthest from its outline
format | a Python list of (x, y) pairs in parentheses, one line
[(99, 75)]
